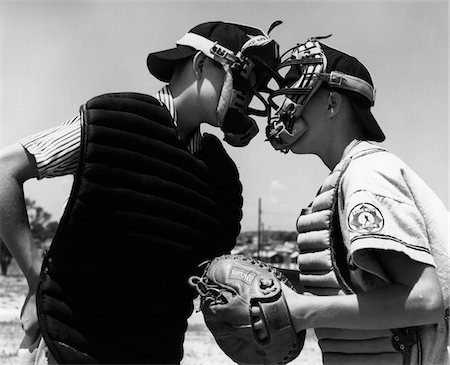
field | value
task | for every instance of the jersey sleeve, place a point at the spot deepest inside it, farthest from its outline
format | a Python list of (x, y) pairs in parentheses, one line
[(55, 150), (378, 211)]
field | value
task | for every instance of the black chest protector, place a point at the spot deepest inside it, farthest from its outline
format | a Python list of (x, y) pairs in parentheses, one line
[(142, 214)]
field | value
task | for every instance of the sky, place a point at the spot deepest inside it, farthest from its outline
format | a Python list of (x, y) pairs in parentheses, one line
[(56, 55)]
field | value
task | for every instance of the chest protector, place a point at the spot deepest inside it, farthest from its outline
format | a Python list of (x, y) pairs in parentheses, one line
[(322, 263), (142, 215)]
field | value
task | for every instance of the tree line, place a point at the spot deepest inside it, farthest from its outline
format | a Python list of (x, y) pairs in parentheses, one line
[(275, 235), (43, 228)]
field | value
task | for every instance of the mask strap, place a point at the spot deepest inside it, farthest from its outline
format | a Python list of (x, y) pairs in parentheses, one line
[(211, 49), (225, 97), (348, 82)]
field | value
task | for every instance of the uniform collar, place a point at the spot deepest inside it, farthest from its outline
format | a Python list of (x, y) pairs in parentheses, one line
[(350, 147), (165, 96), (353, 148)]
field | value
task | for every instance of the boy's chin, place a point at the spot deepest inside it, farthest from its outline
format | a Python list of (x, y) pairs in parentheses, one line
[(214, 123)]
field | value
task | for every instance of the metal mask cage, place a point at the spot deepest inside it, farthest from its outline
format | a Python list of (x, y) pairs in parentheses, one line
[(251, 76), (252, 69), (259, 58), (307, 71), (306, 62), (250, 80)]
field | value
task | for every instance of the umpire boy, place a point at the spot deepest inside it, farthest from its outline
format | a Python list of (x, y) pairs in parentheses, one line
[(152, 198)]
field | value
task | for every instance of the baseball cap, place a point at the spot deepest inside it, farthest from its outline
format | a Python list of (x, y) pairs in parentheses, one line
[(229, 35), (349, 65), (346, 74)]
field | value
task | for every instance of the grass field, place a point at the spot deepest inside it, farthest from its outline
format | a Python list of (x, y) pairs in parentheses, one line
[(200, 347)]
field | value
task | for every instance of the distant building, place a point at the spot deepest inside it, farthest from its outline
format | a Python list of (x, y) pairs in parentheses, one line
[(272, 249)]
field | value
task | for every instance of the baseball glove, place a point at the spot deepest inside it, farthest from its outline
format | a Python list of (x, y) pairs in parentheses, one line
[(244, 307)]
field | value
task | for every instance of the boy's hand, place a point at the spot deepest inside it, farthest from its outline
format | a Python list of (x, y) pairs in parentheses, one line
[(29, 319)]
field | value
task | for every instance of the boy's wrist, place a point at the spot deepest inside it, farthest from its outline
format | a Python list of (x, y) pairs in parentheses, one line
[(33, 274), (309, 311), (300, 309)]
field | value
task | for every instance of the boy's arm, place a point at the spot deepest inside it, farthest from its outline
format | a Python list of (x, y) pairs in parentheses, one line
[(413, 298), (17, 166)]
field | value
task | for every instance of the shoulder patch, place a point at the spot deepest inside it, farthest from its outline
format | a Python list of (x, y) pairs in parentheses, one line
[(365, 218)]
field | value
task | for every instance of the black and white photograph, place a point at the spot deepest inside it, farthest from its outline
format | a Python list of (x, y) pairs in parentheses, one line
[(203, 182)]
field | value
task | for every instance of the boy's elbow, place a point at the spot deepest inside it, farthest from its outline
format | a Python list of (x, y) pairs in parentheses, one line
[(432, 304), (17, 164), (435, 306)]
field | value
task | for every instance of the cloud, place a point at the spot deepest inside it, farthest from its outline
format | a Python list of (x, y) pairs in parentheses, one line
[(273, 200), (276, 185)]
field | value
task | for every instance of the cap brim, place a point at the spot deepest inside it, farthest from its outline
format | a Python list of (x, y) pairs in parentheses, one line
[(162, 64), (373, 130)]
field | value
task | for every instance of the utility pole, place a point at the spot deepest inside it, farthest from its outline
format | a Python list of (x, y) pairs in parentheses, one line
[(259, 227)]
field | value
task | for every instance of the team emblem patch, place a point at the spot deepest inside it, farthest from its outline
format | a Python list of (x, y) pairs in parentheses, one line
[(365, 218)]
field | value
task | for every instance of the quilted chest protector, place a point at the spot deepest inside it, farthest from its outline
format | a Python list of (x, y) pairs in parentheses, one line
[(314, 226), (142, 214)]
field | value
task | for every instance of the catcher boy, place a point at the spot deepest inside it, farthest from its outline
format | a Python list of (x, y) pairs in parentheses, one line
[(373, 244)]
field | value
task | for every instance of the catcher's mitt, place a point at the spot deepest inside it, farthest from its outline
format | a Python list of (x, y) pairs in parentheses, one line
[(244, 307)]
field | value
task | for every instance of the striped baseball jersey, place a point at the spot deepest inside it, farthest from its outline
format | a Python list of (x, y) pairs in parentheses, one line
[(56, 150)]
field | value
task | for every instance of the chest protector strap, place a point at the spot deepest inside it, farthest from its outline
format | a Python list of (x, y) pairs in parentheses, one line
[(142, 215), (323, 270)]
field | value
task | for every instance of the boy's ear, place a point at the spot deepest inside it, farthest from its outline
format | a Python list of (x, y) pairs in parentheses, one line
[(334, 103), (197, 63)]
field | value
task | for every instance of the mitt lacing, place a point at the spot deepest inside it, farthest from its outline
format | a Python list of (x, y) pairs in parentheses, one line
[(210, 294)]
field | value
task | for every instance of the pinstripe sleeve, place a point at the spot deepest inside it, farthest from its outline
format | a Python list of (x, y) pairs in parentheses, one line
[(56, 149)]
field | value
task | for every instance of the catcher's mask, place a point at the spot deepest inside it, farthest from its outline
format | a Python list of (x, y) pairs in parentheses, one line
[(247, 74), (311, 64)]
